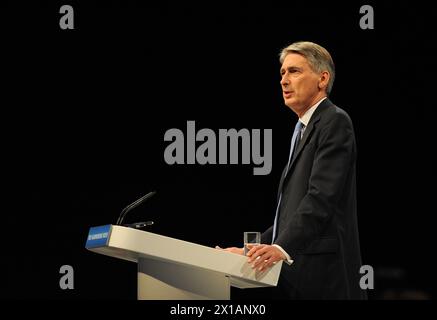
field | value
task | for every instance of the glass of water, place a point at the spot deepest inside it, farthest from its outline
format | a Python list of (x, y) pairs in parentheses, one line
[(251, 237)]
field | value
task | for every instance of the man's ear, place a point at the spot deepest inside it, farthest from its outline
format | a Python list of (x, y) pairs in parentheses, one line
[(324, 79)]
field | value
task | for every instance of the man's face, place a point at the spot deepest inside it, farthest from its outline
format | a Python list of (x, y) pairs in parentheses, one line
[(300, 84)]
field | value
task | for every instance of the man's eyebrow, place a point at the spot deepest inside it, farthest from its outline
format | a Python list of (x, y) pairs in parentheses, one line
[(290, 68)]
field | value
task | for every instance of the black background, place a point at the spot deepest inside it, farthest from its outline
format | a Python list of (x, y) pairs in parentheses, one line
[(84, 113)]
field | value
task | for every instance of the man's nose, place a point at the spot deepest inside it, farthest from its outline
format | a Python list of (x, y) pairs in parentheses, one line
[(284, 81)]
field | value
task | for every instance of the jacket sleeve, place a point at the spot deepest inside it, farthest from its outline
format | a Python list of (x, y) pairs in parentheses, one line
[(266, 236)]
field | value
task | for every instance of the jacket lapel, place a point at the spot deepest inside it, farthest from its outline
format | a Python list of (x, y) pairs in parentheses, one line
[(305, 138), (308, 131), (281, 182)]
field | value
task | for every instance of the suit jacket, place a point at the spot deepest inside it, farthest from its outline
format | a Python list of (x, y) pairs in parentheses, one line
[(317, 223)]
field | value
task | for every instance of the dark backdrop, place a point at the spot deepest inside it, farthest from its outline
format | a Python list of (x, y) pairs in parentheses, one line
[(84, 114)]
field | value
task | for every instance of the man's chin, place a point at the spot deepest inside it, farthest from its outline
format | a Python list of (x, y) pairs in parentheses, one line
[(292, 106), (290, 103)]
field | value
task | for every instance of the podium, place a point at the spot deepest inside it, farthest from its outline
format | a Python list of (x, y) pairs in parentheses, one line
[(173, 269)]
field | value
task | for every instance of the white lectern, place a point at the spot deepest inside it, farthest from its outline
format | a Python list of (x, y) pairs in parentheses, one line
[(173, 269)]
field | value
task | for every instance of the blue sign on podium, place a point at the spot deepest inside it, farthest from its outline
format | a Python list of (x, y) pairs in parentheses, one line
[(98, 236)]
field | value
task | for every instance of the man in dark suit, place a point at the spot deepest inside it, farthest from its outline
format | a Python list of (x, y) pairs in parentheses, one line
[(315, 229)]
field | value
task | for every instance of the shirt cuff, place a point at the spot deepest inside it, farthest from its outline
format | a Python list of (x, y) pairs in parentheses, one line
[(289, 261)]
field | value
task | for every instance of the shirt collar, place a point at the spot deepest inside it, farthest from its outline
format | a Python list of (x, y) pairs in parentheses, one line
[(305, 119)]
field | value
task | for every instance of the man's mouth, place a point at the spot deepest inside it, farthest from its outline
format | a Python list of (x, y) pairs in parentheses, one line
[(287, 94)]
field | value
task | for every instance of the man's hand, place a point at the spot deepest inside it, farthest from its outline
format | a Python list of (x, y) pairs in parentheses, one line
[(232, 249), (264, 256)]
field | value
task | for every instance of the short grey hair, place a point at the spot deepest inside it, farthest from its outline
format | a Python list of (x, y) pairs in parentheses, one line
[(318, 58)]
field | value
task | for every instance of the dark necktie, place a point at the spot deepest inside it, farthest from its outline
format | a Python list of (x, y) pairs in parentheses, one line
[(294, 142)]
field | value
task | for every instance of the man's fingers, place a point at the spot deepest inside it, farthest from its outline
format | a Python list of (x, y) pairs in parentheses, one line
[(263, 258), (257, 251), (269, 263), (262, 265), (254, 252), (252, 248), (261, 255)]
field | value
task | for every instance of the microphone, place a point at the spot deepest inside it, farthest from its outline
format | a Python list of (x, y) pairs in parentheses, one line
[(133, 205), (139, 225)]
